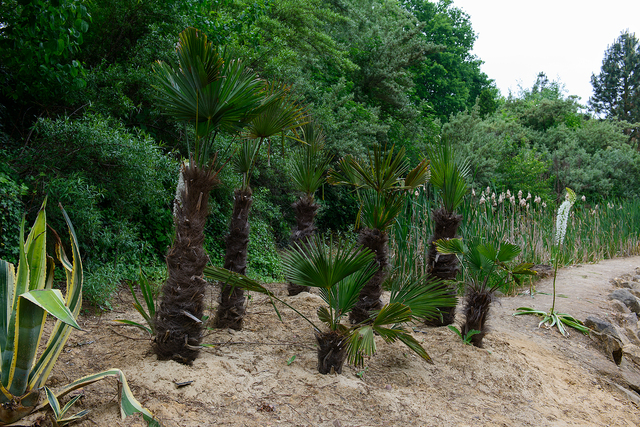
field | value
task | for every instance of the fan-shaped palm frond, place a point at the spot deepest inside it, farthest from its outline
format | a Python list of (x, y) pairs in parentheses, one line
[(424, 296), (381, 173), (284, 114), (309, 162), (379, 211), (449, 175), (323, 266)]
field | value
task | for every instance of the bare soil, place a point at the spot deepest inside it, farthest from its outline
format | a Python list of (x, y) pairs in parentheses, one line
[(525, 376)]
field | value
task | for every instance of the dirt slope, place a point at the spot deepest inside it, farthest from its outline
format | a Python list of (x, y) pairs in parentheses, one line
[(525, 376)]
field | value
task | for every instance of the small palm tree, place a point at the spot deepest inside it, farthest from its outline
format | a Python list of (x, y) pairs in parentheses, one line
[(308, 167), (217, 95), (448, 175), (281, 116), (340, 272), (382, 186), (486, 269)]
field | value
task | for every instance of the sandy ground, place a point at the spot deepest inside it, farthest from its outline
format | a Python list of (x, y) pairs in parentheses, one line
[(525, 376)]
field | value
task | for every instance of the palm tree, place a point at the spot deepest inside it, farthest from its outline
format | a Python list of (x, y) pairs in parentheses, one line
[(487, 267), (340, 272), (448, 175), (283, 115), (308, 167), (217, 95), (382, 187)]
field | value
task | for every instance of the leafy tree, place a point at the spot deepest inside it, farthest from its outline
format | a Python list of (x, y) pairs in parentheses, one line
[(616, 90), (449, 78), (39, 46)]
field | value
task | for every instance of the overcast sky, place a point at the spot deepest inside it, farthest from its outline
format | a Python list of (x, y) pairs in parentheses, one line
[(566, 39)]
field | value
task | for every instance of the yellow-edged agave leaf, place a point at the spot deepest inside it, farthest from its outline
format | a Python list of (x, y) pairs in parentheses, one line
[(128, 404), (7, 282), (36, 250), (52, 301), (21, 285), (73, 300), (30, 320)]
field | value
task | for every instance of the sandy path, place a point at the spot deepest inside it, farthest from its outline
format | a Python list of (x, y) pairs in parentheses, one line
[(525, 376)]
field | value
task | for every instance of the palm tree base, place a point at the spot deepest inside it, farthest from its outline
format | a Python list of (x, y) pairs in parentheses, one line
[(369, 300), (332, 352), (476, 312), (231, 311)]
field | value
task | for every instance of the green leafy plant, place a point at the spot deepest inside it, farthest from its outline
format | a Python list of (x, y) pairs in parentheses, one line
[(552, 317), (58, 419), (26, 296), (466, 338), (382, 181), (485, 267), (449, 175), (291, 359), (340, 272), (149, 296)]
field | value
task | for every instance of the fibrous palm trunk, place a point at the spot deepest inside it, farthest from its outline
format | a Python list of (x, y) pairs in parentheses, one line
[(178, 321), (476, 311), (332, 352), (231, 308), (369, 300), (444, 267), (306, 209)]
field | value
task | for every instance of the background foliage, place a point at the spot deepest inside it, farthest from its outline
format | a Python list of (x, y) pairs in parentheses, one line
[(78, 119)]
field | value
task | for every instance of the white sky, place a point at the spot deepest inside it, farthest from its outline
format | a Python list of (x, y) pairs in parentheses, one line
[(565, 39)]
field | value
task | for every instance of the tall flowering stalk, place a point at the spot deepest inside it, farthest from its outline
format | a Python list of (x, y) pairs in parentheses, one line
[(553, 318)]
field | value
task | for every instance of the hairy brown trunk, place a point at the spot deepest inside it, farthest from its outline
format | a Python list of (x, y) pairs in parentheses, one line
[(177, 323), (369, 299), (231, 308), (476, 311), (332, 352), (306, 210), (444, 267)]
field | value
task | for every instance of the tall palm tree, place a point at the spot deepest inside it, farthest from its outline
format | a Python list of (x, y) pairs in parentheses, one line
[(281, 116), (308, 167), (448, 175), (216, 95), (382, 186)]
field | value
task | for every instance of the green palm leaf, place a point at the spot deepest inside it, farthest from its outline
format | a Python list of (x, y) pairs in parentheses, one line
[(448, 175), (309, 163), (322, 266), (424, 296), (380, 211)]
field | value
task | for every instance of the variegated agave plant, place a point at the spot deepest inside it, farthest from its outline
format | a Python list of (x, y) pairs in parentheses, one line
[(26, 296)]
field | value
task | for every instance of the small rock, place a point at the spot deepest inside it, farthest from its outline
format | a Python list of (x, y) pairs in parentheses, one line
[(633, 396), (599, 325), (625, 296), (388, 387), (636, 278), (619, 307), (631, 353)]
